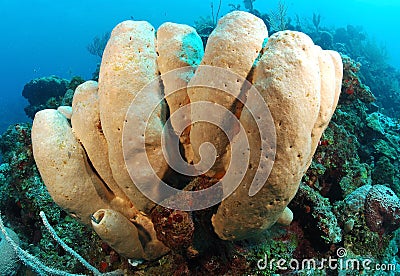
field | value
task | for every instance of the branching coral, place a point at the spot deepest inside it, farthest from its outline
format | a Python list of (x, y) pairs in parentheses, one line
[(278, 19), (96, 47)]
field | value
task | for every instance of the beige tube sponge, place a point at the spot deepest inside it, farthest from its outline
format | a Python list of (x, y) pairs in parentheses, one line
[(180, 51), (83, 166), (128, 65), (233, 45), (87, 128), (64, 167), (127, 239), (96, 165), (118, 232), (301, 84)]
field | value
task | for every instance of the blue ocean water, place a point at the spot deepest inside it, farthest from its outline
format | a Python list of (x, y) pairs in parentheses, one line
[(43, 37)]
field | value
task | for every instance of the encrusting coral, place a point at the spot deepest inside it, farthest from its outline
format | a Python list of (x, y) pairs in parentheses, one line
[(86, 165)]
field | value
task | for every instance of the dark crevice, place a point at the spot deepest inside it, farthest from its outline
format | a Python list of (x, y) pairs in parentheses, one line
[(101, 193), (144, 236)]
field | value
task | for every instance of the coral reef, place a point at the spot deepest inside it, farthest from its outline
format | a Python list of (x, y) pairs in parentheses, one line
[(23, 195), (49, 92), (314, 210), (43, 88), (43, 92), (382, 207), (347, 199)]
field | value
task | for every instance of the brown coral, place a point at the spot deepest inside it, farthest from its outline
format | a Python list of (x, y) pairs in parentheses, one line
[(382, 209)]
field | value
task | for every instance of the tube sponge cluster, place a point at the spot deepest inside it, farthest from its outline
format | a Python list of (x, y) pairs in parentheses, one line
[(86, 162)]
